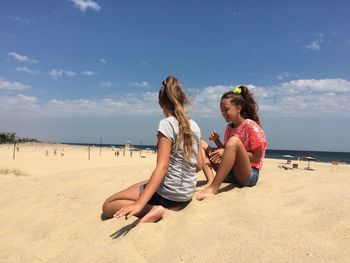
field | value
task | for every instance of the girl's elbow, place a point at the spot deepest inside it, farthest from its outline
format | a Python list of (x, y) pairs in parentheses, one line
[(256, 158), (199, 167), (162, 168)]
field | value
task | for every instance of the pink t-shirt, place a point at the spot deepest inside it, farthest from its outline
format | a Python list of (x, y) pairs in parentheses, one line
[(251, 135)]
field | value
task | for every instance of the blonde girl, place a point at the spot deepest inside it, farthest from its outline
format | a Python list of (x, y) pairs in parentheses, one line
[(172, 183)]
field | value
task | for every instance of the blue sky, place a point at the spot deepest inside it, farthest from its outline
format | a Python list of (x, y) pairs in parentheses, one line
[(78, 70)]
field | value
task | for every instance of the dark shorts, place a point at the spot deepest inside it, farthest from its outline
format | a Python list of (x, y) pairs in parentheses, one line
[(251, 181), (157, 199)]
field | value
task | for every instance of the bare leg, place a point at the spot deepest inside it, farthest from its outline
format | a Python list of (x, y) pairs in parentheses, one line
[(207, 167), (120, 199), (235, 157), (153, 215), (125, 197)]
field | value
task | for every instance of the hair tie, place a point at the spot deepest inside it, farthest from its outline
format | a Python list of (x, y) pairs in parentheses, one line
[(237, 90), (164, 83)]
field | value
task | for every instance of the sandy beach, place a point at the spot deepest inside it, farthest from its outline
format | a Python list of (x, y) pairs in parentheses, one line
[(50, 209)]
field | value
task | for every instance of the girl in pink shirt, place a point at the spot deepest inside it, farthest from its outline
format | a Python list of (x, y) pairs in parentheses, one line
[(240, 158)]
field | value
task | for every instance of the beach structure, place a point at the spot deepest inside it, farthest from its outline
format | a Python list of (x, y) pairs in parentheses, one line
[(295, 166), (335, 163), (308, 159), (127, 145), (288, 157)]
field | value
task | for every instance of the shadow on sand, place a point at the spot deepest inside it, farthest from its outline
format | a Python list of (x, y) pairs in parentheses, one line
[(122, 231), (226, 188)]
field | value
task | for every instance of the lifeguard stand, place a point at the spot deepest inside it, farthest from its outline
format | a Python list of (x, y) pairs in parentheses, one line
[(127, 145), (335, 163)]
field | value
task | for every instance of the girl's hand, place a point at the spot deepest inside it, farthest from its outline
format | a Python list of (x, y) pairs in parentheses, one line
[(214, 136), (215, 156), (129, 210)]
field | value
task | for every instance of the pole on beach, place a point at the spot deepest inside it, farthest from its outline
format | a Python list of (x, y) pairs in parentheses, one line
[(89, 153), (140, 148), (14, 151), (100, 145)]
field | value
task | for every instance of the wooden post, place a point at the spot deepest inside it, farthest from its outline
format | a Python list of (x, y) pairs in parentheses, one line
[(14, 151), (100, 145), (140, 148), (89, 152)]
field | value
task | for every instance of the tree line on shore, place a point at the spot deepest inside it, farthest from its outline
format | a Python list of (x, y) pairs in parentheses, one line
[(10, 137)]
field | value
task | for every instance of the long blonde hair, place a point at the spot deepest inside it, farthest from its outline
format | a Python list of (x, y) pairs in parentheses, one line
[(172, 96)]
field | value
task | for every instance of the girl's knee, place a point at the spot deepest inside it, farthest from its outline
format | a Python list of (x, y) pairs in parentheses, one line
[(233, 142), (107, 210)]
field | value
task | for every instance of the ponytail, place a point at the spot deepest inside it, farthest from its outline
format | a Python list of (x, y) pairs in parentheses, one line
[(243, 97), (172, 96)]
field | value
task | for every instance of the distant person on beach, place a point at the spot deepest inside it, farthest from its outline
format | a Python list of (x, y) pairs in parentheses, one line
[(173, 181), (239, 159)]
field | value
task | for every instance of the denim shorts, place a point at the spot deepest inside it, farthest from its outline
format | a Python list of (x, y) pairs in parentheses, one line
[(251, 181)]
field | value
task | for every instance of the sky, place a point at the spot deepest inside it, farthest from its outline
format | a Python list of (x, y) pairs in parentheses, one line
[(81, 70)]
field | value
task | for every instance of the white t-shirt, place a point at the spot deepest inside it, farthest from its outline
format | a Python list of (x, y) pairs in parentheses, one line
[(180, 181)]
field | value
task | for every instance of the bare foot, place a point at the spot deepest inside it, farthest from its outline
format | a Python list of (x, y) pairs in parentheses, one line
[(203, 187), (210, 191), (153, 215)]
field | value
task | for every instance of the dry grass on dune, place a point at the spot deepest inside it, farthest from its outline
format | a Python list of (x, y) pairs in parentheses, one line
[(8, 171)]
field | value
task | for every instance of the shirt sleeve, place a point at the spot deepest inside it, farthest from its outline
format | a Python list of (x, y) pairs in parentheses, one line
[(167, 130), (256, 135)]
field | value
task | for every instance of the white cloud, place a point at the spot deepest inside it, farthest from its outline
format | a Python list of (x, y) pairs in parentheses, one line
[(286, 75), (106, 84), (27, 70), (143, 84), (88, 73), (145, 104), (57, 73), (19, 19), (297, 98), (306, 97), (8, 85), (314, 45), (21, 58), (86, 4), (237, 13), (18, 103), (130, 104), (303, 97), (320, 85), (103, 61)]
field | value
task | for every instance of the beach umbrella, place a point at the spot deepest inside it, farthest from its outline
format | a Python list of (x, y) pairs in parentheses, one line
[(287, 157), (308, 158)]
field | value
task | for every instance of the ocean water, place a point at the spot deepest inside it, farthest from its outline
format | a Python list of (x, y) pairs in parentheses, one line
[(320, 156), (326, 157)]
